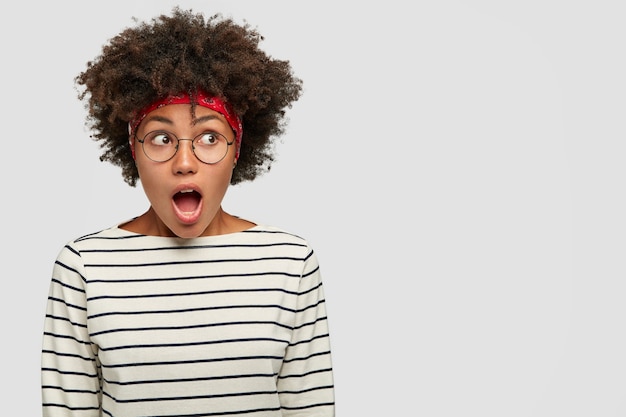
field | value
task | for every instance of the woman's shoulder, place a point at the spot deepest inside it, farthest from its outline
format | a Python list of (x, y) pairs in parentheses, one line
[(109, 234), (274, 233)]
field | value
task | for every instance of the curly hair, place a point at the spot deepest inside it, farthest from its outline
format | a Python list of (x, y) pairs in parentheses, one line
[(185, 52)]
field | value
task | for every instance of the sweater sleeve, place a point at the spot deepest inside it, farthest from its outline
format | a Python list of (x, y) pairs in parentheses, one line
[(305, 381), (69, 363)]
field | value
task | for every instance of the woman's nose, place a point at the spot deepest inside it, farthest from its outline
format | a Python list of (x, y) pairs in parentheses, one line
[(185, 160)]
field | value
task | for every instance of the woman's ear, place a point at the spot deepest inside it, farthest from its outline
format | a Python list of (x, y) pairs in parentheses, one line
[(131, 143)]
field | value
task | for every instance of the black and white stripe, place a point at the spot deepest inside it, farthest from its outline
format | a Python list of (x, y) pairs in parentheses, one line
[(214, 326)]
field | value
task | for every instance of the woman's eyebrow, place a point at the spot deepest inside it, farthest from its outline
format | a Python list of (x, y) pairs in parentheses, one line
[(206, 118), (157, 118)]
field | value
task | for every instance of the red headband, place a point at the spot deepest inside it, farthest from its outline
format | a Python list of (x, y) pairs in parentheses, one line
[(202, 99)]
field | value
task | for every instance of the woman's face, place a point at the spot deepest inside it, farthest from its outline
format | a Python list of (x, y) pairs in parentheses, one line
[(185, 194)]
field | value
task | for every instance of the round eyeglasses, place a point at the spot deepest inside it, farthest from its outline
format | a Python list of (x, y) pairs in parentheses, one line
[(161, 146)]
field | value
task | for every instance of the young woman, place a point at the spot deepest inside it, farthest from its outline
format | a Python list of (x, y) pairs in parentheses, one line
[(187, 310)]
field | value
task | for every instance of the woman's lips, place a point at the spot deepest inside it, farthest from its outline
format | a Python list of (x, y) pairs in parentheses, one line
[(187, 205)]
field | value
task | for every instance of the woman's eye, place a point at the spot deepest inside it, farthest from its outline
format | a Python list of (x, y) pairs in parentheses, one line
[(161, 139), (208, 138)]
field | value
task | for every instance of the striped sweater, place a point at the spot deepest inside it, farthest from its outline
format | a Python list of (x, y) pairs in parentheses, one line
[(212, 326)]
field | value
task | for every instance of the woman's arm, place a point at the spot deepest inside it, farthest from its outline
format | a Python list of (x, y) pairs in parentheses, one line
[(69, 364), (305, 382)]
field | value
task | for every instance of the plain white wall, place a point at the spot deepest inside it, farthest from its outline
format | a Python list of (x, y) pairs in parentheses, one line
[(458, 166)]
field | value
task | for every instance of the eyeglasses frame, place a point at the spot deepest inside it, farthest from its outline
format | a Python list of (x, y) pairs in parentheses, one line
[(178, 140)]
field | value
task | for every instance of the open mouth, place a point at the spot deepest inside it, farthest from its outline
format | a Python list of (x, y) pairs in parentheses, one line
[(187, 201), (187, 204)]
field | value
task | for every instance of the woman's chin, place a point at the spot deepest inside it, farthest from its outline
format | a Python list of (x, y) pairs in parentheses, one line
[(187, 231)]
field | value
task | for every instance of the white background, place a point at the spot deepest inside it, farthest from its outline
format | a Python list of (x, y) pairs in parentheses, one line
[(458, 167)]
